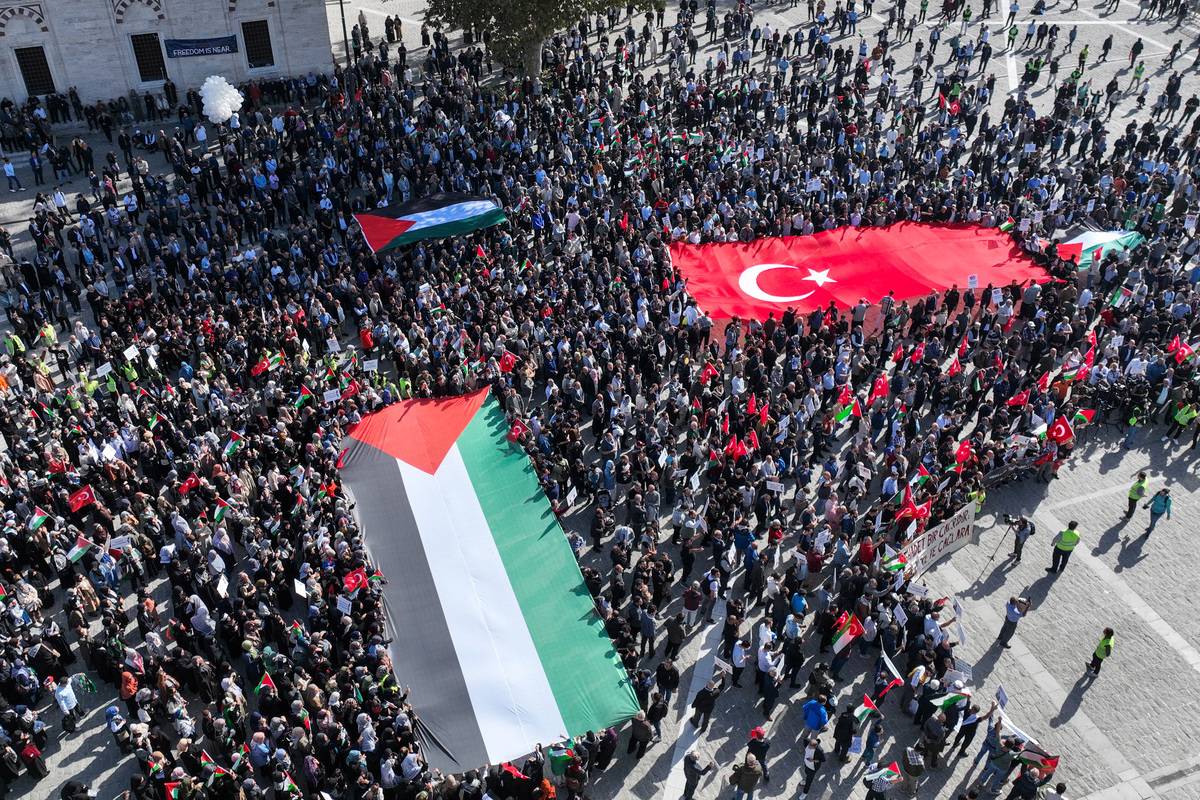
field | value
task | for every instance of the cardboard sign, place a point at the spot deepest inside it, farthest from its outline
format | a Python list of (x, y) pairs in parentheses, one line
[(774, 486), (104, 369), (331, 395), (371, 365), (131, 352), (1001, 696), (344, 605), (333, 346), (901, 616), (223, 586), (118, 543), (695, 482), (973, 281), (299, 588)]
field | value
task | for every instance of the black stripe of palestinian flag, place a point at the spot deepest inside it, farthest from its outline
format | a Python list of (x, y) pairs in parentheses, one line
[(495, 631), (431, 217)]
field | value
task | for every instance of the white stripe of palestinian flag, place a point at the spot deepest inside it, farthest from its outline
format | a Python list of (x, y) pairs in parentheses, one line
[(449, 214), (508, 687)]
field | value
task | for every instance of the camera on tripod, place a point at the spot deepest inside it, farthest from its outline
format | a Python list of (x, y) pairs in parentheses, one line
[(1009, 519)]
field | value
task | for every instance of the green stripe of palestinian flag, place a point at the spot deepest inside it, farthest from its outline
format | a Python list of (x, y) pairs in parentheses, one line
[(432, 217), (512, 651)]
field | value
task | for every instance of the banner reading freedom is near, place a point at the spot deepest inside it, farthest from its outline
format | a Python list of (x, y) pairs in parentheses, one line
[(751, 280), (496, 632)]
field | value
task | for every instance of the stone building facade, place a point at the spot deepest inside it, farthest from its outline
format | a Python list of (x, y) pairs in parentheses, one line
[(105, 48)]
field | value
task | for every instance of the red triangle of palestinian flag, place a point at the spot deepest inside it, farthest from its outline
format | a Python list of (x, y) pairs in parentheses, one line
[(432, 217)]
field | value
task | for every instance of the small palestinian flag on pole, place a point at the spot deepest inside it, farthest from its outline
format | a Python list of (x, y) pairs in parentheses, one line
[(171, 788), (950, 699), (1084, 415), (1034, 756), (236, 440), (297, 629), (153, 421), (266, 683), (81, 547), (38, 519), (222, 507), (560, 757), (895, 562), (922, 475), (1008, 224), (852, 410), (3, 593), (304, 396), (433, 217), (891, 772), (205, 758), (289, 785), (847, 629), (865, 709)]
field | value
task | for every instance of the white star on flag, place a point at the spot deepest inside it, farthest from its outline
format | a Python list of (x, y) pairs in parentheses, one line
[(819, 277)]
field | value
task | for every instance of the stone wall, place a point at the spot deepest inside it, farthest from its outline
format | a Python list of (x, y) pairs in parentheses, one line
[(87, 42)]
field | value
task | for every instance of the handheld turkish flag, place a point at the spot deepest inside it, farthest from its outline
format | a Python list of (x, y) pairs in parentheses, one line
[(191, 482), (1060, 431), (355, 580), (708, 373), (845, 395), (1019, 399), (517, 430), (918, 353), (752, 280), (954, 368), (898, 354), (507, 362), (80, 498), (878, 389), (1043, 383)]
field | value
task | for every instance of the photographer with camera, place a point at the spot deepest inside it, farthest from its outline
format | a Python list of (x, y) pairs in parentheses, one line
[(1014, 610), (1022, 528)]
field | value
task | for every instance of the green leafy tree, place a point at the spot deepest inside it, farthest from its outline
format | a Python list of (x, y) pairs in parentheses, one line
[(518, 28)]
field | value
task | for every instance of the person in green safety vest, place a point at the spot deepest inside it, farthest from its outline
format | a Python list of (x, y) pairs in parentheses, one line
[(13, 344), (1064, 543), (1102, 651), (1136, 493), (1184, 414)]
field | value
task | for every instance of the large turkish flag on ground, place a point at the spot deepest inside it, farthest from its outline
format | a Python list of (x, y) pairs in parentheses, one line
[(751, 280)]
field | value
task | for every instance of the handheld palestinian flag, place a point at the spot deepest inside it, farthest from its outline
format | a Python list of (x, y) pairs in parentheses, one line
[(289, 785), (205, 758), (171, 789), (304, 396), (38, 519), (922, 475), (236, 440), (433, 217), (1036, 757), (852, 410), (560, 757), (222, 507), (451, 496), (152, 423), (950, 699), (895, 562), (848, 628), (3, 592), (1084, 415), (1008, 225), (865, 709), (297, 628), (81, 547), (266, 683), (891, 772), (1092, 246)]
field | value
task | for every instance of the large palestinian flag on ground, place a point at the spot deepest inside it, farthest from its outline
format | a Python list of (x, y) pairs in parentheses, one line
[(496, 632), (751, 280), (432, 217), (1091, 246)]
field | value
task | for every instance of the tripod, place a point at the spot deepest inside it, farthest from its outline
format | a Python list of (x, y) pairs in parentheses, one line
[(1012, 526)]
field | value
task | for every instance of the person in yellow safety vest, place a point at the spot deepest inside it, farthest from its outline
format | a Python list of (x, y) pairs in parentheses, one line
[(1136, 493), (1183, 418), (1064, 543), (13, 344), (130, 371), (979, 496), (1102, 651), (48, 333)]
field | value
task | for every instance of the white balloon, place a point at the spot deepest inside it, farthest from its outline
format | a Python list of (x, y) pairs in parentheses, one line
[(221, 100)]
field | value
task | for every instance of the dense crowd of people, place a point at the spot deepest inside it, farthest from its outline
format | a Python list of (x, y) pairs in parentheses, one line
[(174, 330)]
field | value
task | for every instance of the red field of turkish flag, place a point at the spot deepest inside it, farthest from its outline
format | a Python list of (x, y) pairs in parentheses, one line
[(750, 280)]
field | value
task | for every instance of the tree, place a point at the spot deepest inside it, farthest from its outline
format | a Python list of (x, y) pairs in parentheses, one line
[(518, 28)]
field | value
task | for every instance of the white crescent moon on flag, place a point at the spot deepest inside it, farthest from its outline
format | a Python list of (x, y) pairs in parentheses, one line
[(748, 283)]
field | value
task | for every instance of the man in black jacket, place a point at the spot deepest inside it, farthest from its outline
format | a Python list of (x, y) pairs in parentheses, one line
[(705, 701)]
